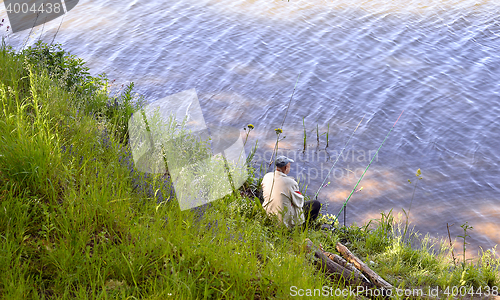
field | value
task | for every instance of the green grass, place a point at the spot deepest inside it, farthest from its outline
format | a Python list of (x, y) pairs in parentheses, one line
[(77, 220)]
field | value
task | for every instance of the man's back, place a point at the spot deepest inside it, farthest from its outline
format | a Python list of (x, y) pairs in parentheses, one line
[(283, 197)]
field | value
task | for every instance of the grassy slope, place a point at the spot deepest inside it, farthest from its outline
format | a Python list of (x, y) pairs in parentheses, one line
[(77, 220)]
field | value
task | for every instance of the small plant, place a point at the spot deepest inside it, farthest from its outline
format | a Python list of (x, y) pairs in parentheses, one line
[(252, 152), (465, 227), (69, 70), (328, 219), (407, 214), (250, 128), (278, 131), (327, 132)]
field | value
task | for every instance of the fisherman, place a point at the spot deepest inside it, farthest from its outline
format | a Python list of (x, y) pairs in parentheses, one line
[(283, 198)]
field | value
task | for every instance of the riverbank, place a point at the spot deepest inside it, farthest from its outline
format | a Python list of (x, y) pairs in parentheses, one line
[(79, 221)]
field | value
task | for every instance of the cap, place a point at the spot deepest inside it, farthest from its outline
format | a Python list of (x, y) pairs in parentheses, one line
[(282, 161)]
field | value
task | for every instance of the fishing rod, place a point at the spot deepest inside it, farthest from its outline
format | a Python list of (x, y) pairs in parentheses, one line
[(352, 192), (286, 112), (323, 184), (277, 140)]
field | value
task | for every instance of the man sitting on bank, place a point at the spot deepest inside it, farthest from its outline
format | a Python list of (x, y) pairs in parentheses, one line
[(283, 198)]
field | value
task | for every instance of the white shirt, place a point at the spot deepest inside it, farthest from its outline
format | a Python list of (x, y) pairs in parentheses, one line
[(283, 198)]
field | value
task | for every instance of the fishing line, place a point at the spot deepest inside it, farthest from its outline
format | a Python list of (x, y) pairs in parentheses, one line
[(323, 184), (286, 112), (352, 192)]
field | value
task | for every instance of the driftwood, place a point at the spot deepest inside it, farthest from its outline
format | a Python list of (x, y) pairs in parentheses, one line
[(374, 277), (341, 261), (335, 270)]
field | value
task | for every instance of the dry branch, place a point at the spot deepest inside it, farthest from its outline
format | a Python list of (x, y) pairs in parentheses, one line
[(335, 270), (344, 263)]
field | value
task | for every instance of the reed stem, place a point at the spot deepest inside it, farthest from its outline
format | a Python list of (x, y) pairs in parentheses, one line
[(317, 133), (327, 132), (305, 134), (451, 245)]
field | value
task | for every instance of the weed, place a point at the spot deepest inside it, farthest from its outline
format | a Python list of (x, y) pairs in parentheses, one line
[(407, 214), (465, 227)]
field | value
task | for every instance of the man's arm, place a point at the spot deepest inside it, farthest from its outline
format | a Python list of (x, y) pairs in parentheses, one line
[(294, 194)]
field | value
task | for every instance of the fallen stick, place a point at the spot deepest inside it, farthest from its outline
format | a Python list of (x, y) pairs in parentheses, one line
[(341, 261), (360, 265), (335, 270)]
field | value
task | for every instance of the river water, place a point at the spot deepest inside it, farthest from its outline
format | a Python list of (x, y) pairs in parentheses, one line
[(436, 60)]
